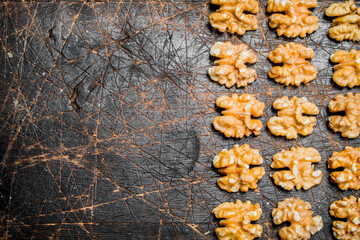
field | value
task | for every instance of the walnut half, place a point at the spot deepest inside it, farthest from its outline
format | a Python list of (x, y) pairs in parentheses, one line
[(290, 120), (235, 163), (302, 223), (297, 20), (347, 72), (230, 16), (347, 24), (237, 120), (348, 125), (349, 159), (237, 223), (296, 68), (301, 173), (230, 68), (348, 208)]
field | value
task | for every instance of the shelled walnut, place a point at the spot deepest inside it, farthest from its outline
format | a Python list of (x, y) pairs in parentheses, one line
[(348, 208), (234, 163), (302, 222), (230, 68), (230, 16), (290, 120), (347, 72), (346, 25), (349, 160), (296, 69), (237, 223), (297, 20), (237, 120), (301, 174), (348, 125)]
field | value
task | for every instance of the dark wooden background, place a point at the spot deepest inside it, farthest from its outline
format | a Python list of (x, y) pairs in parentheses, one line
[(106, 120)]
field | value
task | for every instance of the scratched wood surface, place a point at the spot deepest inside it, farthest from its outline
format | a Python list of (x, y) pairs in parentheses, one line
[(106, 120)]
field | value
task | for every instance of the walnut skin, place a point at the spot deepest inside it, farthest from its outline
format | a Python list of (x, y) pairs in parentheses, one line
[(237, 220), (290, 120), (302, 223), (297, 20), (296, 69), (230, 68), (347, 72), (347, 208), (301, 174), (348, 125), (346, 25), (237, 121), (349, 159), (234, 163), (230, 16)]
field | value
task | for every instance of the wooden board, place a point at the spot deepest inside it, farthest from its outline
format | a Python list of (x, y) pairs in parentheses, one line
[(106, 120)]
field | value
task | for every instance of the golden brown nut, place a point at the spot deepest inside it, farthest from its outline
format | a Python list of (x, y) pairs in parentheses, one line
[(347, 72), (290, 120), (296, 69), (237, 121), (347, 208), (348, 125), (302, 222), (234, 163), (230, 68), (297, 20), (301, 174), (231, 16), (349, 159), (237, 220), (347, 24)]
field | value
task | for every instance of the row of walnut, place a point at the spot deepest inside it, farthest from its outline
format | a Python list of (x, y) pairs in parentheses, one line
[(237, 218), (234, 164), (290, 121), (297, 20), (230, 68)]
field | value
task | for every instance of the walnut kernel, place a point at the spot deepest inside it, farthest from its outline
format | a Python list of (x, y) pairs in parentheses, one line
[(231, 17), (237, 223), (236, 120), (290, 120), (296, 69), (298, 213), (347, 208), (347, 24), (234, 163), (297, 20), (348, 125), (349, 159), (230, 68), (347, 72), (301, 173)]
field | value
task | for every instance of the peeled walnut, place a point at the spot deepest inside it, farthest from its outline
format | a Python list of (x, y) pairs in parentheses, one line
[(346, 25), (347, 208), (349, 159), (302, 222), (297, 20), (237, 220), (347, 72), (231, 15), (237, 121), (290, 120), (301, 174), (230, 68), (348, 125), (234, 163), (296, 69)]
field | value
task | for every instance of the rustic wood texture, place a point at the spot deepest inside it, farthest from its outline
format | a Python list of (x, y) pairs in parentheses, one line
[(106, 120)]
